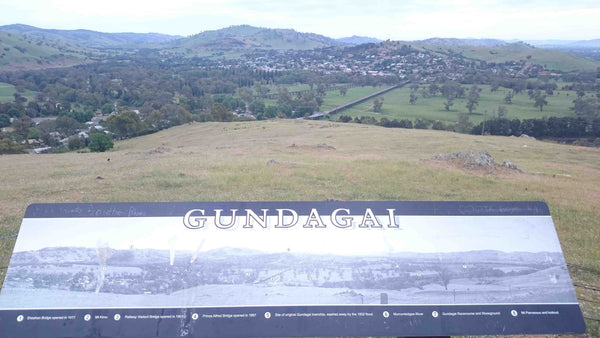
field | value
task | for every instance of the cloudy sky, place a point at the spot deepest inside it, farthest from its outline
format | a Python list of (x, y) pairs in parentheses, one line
[(383, 19)]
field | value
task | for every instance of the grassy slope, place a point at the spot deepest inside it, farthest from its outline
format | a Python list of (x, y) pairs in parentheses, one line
[(395, 105), (254, 161), (553, 59), (7, 90), (18, 49)]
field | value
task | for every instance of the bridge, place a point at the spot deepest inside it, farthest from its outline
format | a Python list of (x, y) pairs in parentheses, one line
[(320, 115)]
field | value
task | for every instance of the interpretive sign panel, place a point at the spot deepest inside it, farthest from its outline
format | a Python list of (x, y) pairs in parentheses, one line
[(287, 269)]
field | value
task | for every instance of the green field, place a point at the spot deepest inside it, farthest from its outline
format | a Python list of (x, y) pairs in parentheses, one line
[(332, 98), (396, 106), (7, 90), (335, 99)]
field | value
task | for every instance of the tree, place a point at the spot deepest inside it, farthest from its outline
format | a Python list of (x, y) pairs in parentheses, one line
[(509, 96), (246, 94), (413, 98), (319, 100), (257, 107), (449, 103), (100, 142), (285, 109), (445, 275), (66, 125), (473, 98), (13, 112), (107, 108), (4, 120), (464, 125), (438, 125), (75, 142), (220, 113), (452, 89), (22, 125), (8, 146), (422, 123), (34, 133), (433, 89), (285, 98), (377, 104), (33, 109), (19, 99), (270, 112), (261, 90), (502, 111), (321, 90), (307, 103), (587, 107), (344, 118), (540, 100), (125, 124)]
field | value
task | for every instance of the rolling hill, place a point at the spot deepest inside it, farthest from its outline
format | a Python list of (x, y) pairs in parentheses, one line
[(18, 51), (553, 59), (244, 36), (28, 45), (463, 42), (358, 40), (566, 44), (92, 39)]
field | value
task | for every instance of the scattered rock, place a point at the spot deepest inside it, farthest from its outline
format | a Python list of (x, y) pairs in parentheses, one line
[(325, 146), (319, 146), (158, 150), (471, 159), (481, 159), (527, 136), (508, 164)]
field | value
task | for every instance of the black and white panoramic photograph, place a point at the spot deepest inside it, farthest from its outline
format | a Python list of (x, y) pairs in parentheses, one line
[(157, 262)]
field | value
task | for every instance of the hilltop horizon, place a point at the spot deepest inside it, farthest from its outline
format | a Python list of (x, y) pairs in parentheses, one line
[(349, 38)]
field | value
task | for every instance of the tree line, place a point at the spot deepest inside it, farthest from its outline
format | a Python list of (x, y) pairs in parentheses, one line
[(553, 127)]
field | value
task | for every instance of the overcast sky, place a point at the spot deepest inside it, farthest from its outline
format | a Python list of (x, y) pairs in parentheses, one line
[(383, 19)]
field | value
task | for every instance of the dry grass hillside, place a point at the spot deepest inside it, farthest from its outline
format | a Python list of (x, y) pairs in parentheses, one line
[(313, 160)]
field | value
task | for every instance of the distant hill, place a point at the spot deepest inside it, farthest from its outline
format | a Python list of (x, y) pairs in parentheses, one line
[(31, 47), (18, 51), (553, 59), (463, 42), (245, 36), (92, 39), (566, 44), (358, 40)]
